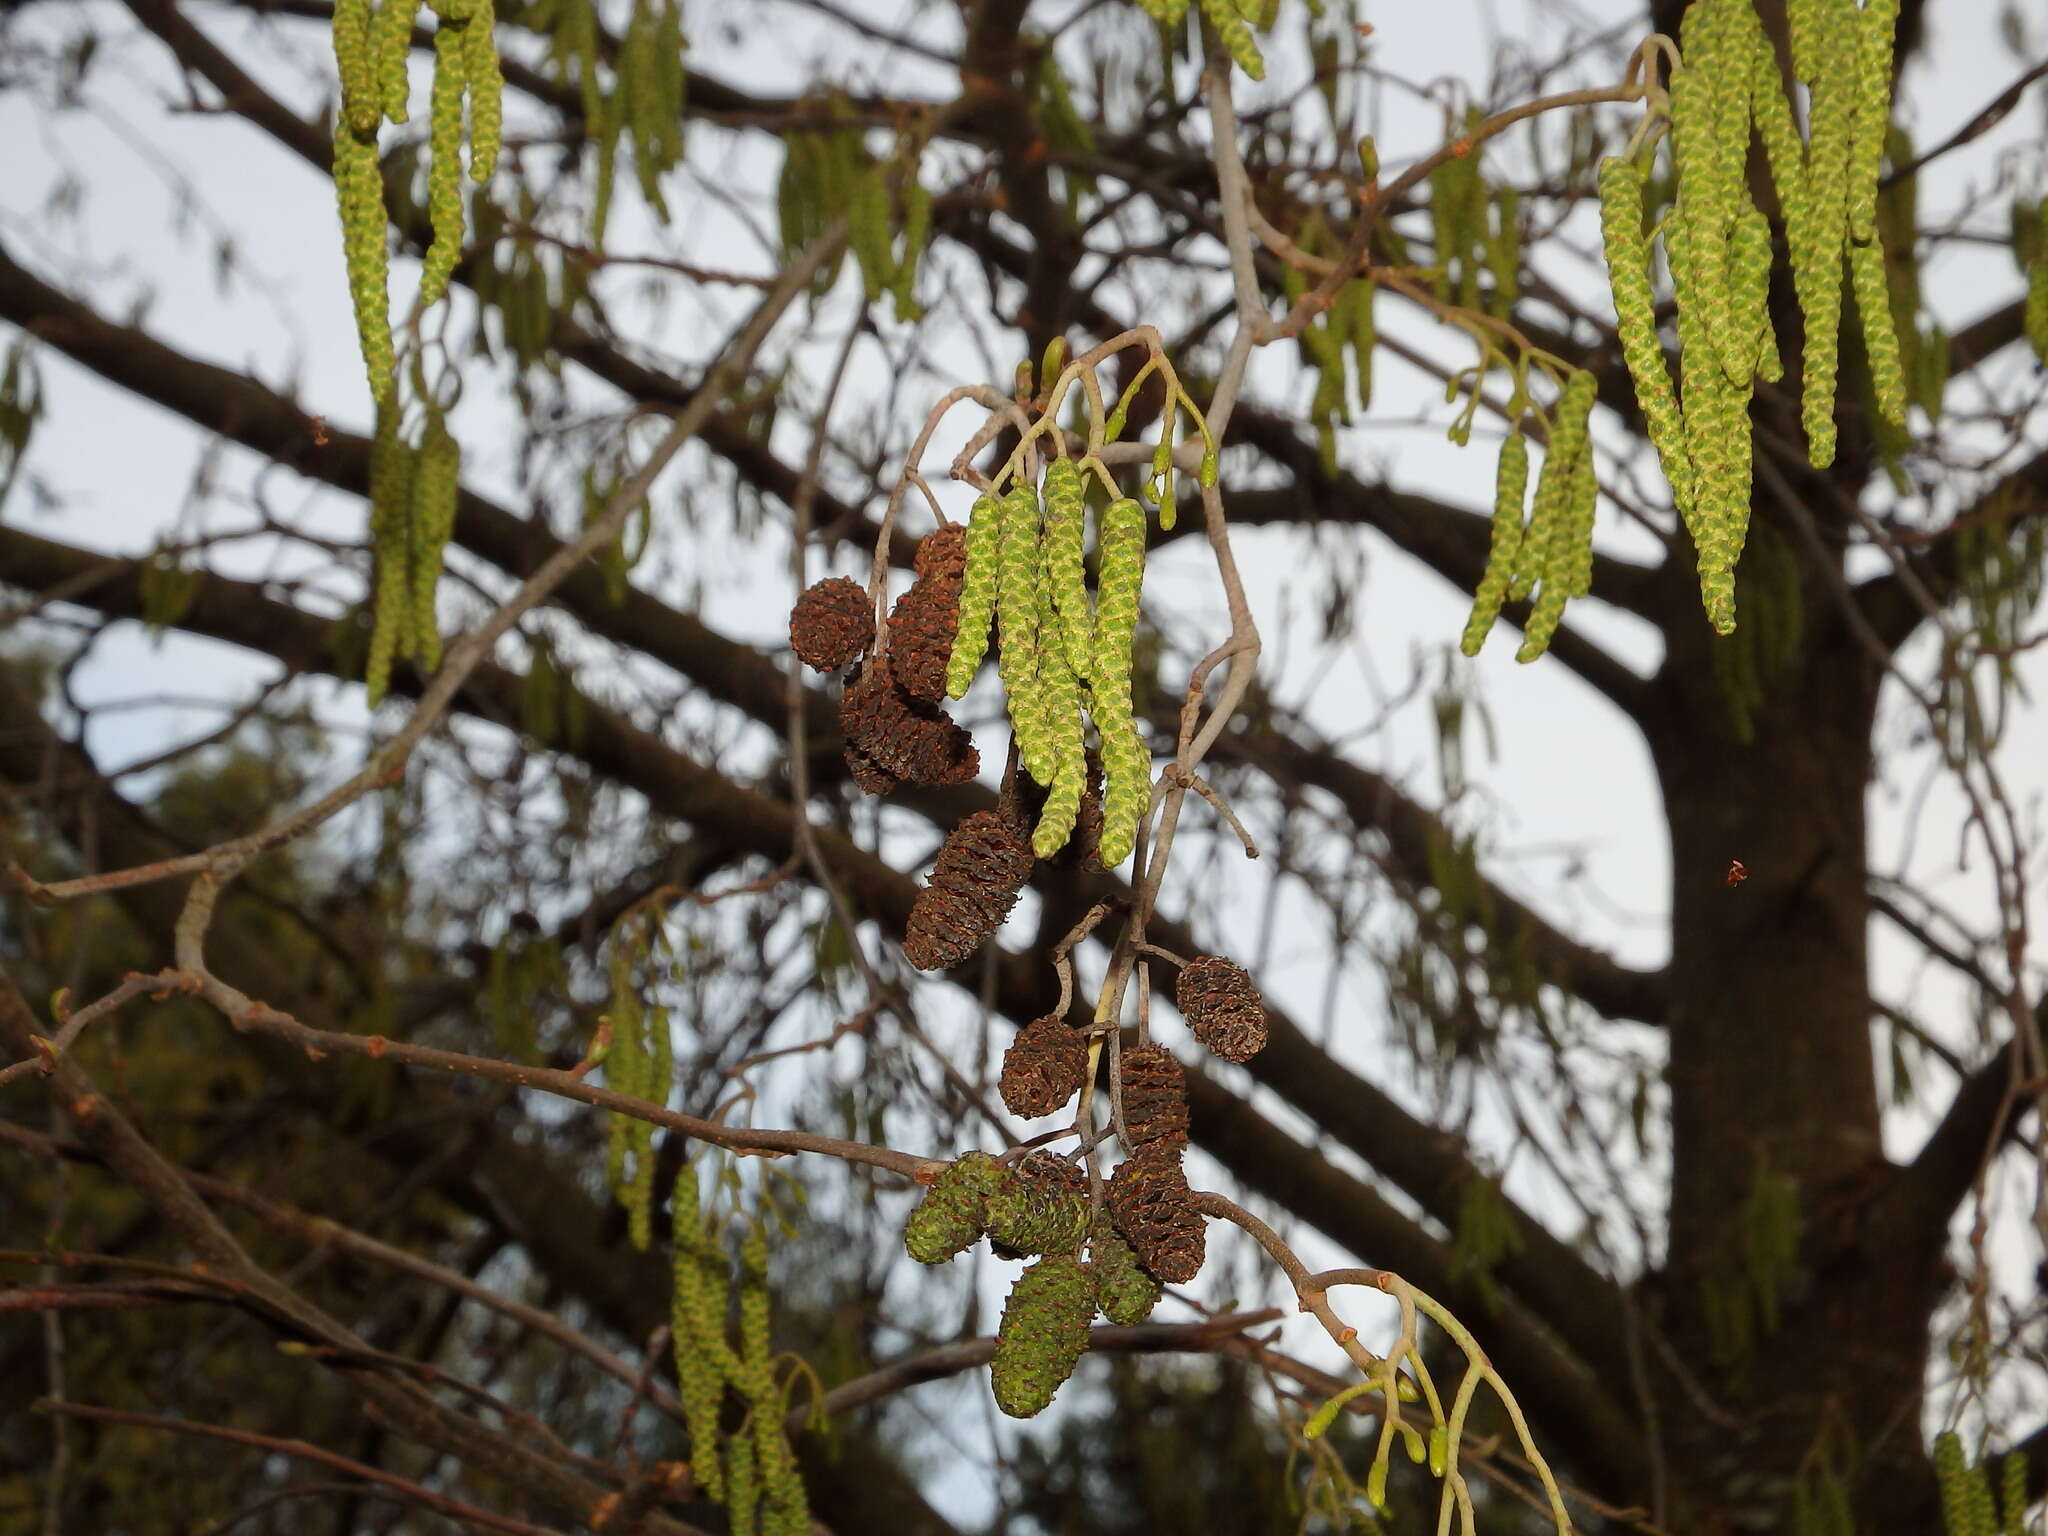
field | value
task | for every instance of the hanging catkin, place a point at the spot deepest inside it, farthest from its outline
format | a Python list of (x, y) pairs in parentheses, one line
[(978, 591), (486, 90), (390, 40), (436, 489), (361, 101), (1066, 517), (1126, 760), (359, 195), (392, 466), (444, 165), (1510, 486), (1017, 621), (1043, 1333), (704, 1361), (1059, 695)]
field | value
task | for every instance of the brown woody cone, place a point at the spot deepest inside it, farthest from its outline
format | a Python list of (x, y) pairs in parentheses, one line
[(872, 778), (942, 554), (921, 630), (1152, 1206), (1155, 1096), (917, 742), (982, 865), (1043, 1067), (1222, 1007), (832, 625)]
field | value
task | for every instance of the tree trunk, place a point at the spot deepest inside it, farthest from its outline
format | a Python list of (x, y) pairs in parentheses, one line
[(1813, 1369)]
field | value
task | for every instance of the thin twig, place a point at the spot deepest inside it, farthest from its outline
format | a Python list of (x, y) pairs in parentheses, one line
[(454, 1509)]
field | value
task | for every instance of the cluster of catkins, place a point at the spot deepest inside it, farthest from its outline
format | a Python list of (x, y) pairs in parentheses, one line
[(1718, 246), (1060, 652), (1065, 658), (1550, 554), (827, 175), (371, 47)]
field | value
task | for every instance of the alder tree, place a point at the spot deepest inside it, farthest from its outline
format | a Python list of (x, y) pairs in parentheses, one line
[(743, 823)]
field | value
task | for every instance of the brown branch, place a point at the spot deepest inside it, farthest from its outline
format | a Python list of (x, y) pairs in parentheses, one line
[(469, 652), (1920, 1198), (1893, 607), (116, 1142), (246, 1013), (301, 1450), (1205, 1337), (1420, 1159)]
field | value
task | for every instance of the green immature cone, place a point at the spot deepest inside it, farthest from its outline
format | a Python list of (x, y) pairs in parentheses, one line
[(1043, 1209), (486, 90), (1043, 1335), (1018, 609), (1635, 308), (444, 168), (1125, 1291), (977, 596), (949, 1220), (1066, 519), (1510, 487)]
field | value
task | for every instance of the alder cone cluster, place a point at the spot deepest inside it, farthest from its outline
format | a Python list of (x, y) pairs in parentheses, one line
[(832, 625), (1152, 1206), (1155, 1095), (982, 865), (1222, 1007), (923, 622), (904, 738), (1043, 1067)]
